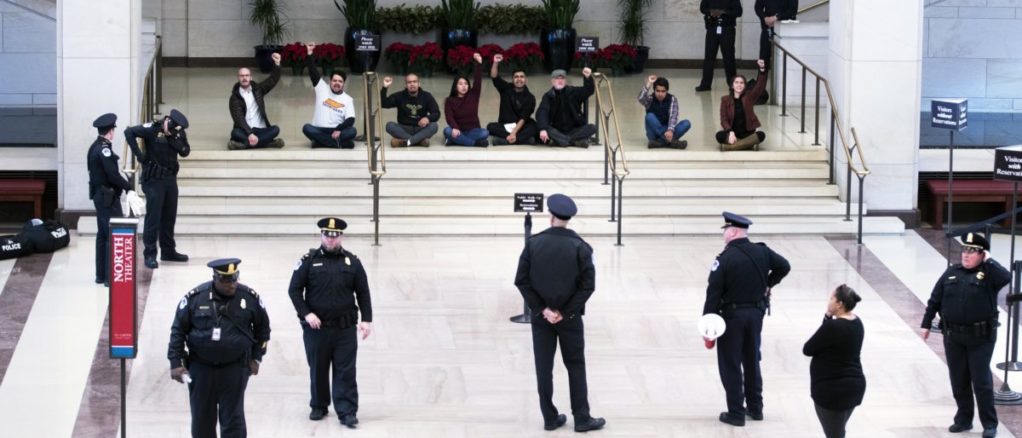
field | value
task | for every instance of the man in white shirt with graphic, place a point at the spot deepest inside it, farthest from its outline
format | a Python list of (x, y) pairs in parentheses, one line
[(333, 122)]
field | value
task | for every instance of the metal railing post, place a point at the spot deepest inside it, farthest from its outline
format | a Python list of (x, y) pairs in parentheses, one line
[(861, 183), (803, 117), (848, 195), (620, 195), (784, 85), (613, 193), (831, 146), (816, 142)]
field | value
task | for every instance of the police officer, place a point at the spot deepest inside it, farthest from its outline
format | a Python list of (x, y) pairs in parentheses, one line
[(556, 277), (164, 141), (329, 289), (720, 18), (225, 327), (105, 187), (739, 290), (966, 298)]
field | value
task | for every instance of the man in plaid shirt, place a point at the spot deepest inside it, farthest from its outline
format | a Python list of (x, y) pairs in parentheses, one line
[(663, 129)]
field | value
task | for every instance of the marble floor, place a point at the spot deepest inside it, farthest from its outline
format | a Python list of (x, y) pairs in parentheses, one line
[(445, 362)]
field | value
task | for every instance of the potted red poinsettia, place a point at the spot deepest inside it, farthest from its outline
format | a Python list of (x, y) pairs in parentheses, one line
[(293, 55), (523, 56), (329, 56)]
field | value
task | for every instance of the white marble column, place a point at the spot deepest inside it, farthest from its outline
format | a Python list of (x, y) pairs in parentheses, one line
[(874, 65), (98, 46)]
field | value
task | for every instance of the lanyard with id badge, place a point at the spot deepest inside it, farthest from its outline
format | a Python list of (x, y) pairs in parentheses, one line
[(216, 329)]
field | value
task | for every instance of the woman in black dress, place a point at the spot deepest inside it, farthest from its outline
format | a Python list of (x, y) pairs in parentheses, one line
[(836, 371)]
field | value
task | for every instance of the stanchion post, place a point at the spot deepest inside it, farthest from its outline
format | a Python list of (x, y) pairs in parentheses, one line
[(526, 316), (950, 192)]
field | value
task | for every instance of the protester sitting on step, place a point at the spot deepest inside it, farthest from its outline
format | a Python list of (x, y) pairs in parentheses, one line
[(248, 110), (461, 109), (514, 123), (417, 113), (738, 116), (333, 120), (663, 129), (560, 118)]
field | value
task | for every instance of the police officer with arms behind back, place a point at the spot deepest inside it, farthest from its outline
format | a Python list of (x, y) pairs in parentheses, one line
[(225, 327), (105, 187), (164, 140), (739, 290), (966, 298), (556, 277), (329, 288)]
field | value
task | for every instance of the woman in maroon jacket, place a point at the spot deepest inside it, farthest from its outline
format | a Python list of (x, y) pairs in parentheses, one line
[(462, 110), (737, 115)]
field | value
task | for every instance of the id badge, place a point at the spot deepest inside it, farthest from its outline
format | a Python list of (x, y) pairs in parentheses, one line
[(720, 29), (216, 333)]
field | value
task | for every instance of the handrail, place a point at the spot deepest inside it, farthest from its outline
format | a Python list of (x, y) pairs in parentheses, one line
[(860, 169), (813, 6), (614, 153), (376, 153), (152, 93)]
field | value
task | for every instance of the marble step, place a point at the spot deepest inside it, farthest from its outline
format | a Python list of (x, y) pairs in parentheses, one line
[(590, 172), (460, 226)]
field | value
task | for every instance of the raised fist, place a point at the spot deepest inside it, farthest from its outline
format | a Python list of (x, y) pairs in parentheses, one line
[(478, 58), (387, 81), (310, 47), (650, 80), (498, 57), (586, 72), (761, 63), (276, 58)]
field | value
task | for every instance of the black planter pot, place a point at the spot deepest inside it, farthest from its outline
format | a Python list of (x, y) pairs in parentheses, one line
[(558, 47), (360, 61), (451, 38), (642, 55), (262, 56)]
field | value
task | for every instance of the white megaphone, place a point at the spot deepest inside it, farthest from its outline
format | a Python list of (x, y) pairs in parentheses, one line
[(711, 326)]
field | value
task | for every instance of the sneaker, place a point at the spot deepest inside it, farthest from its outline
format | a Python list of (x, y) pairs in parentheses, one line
[(561, 420), (277, 143), (482, 142), (235, 146), (580, 143), (678, 144), (424, 143), (317, 414), (398, 143), (702, 88), (655, 144), (497, 141), (589, 423)]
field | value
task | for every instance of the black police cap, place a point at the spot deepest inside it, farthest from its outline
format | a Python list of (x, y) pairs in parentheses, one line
[(225, 267), (105, 121), (976, 241), (735, 220), (332, 226), (561, 206), (178, 119)]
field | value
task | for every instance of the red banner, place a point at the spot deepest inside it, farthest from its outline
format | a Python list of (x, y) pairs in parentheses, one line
[(123, 291)]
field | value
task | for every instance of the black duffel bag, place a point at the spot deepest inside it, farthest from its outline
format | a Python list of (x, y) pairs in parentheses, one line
[(46, 237), (12, 246)]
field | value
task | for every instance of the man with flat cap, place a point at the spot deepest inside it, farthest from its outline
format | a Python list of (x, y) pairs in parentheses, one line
[(105, 187), (556, 277), (560, 119), (217, 341), (329, 290), (164, 141), (739, 291), (966, 298)]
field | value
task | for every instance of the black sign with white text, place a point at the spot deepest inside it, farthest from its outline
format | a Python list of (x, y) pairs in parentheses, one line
[(949, 114), (587, 45), (1008, 163), (528, 202), (368, 43)]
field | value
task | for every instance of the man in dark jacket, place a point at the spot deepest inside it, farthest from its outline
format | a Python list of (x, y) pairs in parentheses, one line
[(105, 187), (514, 123), (560, 118), (739, 290), (720, 17), (329, 290), (225, 328), (417, 113), (769, 12), (556, 277), (252, 128)]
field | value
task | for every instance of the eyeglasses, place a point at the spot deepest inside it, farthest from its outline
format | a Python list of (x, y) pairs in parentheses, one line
[(971, 250)]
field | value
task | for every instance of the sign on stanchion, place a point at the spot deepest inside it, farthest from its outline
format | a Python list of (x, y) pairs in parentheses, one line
[(527, 203), (123, 316), (1008, 167), (950, 114)]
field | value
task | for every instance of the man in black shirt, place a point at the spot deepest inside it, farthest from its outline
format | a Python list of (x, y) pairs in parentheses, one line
[(739, 290), (225, 327), (560, 118), (966, 298), (514, 122), (105, 187), (417, 113), (164, 141), (556, 277), (329, 289), (720, 18)]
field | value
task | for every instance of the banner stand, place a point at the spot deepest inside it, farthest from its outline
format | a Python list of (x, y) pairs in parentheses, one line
[(123, 316)]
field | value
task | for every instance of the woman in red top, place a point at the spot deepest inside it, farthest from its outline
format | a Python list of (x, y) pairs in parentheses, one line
[(462, 110), (737, 115)]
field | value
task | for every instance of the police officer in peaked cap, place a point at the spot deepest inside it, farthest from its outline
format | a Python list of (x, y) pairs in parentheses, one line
[(330, 291), (739, 290), (217, 341), (106, 184)]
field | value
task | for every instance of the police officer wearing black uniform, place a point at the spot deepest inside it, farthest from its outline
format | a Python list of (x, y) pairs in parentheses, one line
[(720, 17), (739, 290), (329, 289), (556, 277), (225, 327), (105, 187), (164, 141), (966, 298)]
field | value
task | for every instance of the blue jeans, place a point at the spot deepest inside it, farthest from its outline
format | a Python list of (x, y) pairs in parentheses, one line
[(266, 135), (322, 137), (467, 138), (655, 130)]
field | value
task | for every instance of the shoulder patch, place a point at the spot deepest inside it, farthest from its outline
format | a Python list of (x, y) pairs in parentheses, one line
[(715, 265), (183, 303), (106, 152), (147, 125)]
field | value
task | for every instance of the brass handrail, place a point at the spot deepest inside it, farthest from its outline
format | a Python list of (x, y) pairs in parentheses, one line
[(615, 151), (152, 91), (813, 6)]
